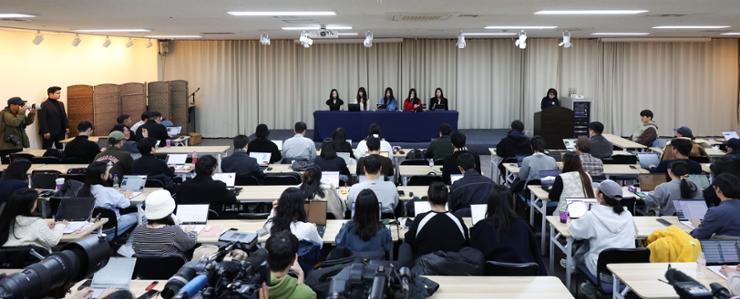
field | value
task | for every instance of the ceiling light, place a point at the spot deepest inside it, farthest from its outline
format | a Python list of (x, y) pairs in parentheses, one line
[(461, 41), (111, 30), (566, 41), (305, 40), (264, 39), (348, 34), (692, 27), (15, 15), (130, 43), (107, 42), (149, 44), (338, 27), (38, 38), (76, 42), (368, 42), (620, 33), (590, 12), (520, 27), (490, 33), (730, 33), (173, 36), (312, 27), (281, 13), (521, 42)]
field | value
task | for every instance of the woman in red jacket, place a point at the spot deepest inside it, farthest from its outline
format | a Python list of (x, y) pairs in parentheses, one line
[(412, 102)]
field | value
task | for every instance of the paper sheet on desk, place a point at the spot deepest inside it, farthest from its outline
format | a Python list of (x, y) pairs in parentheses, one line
[(74, 226), (211, 231), (717, 269)]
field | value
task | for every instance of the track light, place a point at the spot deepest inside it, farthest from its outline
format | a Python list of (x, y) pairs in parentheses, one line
[(368, 42), (521, 42), (107, 42), (264, 39), (38, 39), (149, 44), (566, 41), (461, 41), (76, 42), (305, 40), (130, 43)]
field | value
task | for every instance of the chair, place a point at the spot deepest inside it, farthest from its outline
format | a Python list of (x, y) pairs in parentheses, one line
[(418, 162), (246, 180), (157, 267), (112, 223), (614, 256), (28, 157), (620, 159), (73, 160), (288, 178), (21, 256), (494, 268), (153, 183), (424, 180), (46, 160), (700, 159), (44, 179)]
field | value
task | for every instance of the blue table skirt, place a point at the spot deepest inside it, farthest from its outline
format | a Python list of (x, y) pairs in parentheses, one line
[(395, 126)]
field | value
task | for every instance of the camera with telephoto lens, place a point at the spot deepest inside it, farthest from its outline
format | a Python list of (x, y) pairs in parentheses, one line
[(689, 288), (375, 280), (54, 275)]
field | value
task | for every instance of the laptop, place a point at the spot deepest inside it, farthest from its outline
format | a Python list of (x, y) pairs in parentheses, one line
[(570, 144), (44, 180), (192, 214), (730, 135), (75, 208), (263, 159), (133, 183), (687, 209), (440, 107), (478, 213), (177, 159), (455, 177), (330, 178), (279, 144), (648, 159), (115, 275), (103, 142), (174, 131), (347, 157), (229, 178), (648, 182), (353, 107), (577, 207)]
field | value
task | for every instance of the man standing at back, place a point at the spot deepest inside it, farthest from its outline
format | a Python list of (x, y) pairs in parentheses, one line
[(299, 147), (53, 122)]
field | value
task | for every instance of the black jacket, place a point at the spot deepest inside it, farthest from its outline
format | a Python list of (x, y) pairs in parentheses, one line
[(53, 119), (81, 149), (473, 188), (204, 190), (433, 102), (150, 165), (514, 144), (263, 145), (344, 147), (516, 245), (548, 103), (449, 166), (156, 132), (242, 164), (334, 106), (336, 164)]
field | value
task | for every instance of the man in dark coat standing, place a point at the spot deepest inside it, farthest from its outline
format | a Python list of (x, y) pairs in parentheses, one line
[(53, 122)]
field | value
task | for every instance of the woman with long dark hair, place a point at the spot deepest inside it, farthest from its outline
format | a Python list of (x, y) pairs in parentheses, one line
[(98, 174), (20, 224), (412, 102), (550, 100), (314, 190), (679, 187), (334, 102), (341, 145), (388, 100), (364, 235), (288, 213), (14, 177), (329, 161), (261, 144), (438, 101), (361, 98), (573, 182), (503, 236)]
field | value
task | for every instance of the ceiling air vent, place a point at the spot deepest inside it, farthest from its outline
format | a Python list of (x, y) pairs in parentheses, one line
[(420, 17)]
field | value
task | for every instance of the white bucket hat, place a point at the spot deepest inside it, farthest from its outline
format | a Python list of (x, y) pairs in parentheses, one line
[(159, 204)]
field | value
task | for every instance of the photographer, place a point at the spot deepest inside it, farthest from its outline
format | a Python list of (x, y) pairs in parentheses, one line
[(282, 248), (13, 127)]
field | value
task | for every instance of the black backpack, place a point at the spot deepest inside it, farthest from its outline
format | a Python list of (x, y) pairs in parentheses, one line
[(320, 278), (415, 154)]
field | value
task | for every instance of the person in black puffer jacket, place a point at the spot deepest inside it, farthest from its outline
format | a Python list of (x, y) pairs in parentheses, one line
[(516, 143)]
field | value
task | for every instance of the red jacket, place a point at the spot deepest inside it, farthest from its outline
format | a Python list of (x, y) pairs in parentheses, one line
[(408, 104)]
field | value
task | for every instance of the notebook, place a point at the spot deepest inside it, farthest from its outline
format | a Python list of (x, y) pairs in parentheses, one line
[(648, 159), (192, 214), (570, 144), (174, 131), (133, 183), (177, 159), (455, 177), (577, 207), (687, 209), (730, 135), (115, 275), (263, 159), (330, 178), (279, 144), (478, 212), (229, 178), (75, 208)]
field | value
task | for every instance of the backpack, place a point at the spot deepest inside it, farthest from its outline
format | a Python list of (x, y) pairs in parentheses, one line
[(466, 262), (320, 278), (415, 154)]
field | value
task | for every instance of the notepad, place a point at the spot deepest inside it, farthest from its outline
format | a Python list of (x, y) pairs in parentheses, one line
[(478, 212), (74, 226)]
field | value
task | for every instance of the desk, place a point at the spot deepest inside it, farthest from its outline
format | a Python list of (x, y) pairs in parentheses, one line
[(279, 168), (67, 238), (139, 199), (512, 170), (261, 193), (61, 168), (36, 152), (398, 126), (624, 143), (474, 287), (218, 151), (643, 278), (406, 171)]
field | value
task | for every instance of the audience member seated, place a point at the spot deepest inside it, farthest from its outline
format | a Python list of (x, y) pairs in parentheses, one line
[(473, 188), (438, 229), (135, 127), (261, 144), (514, 145), (538, 161), (696, 149), (600, 147), (449, 166), (20, 225), (733, 278), (130, 145), (314, 190), (442, 147), (98, 173), (122, 161), (150, 165), (647, 133), (373, 149), (365, 236), (240, 162), (725, 164), (385, 191), (288, 213), (733, 148), (607, 225), (203, 189), (329, 161), (161, 236), (341, 145), (154, 128), (282, 258), (723, 219), (503, 236), (80, 148), (573, 182), (299, 147), (592, 165), (681, 148), (14, 177), (373, 131), (679, 187)]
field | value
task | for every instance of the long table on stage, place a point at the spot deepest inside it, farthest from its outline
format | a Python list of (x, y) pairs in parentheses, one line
[(395, 126)]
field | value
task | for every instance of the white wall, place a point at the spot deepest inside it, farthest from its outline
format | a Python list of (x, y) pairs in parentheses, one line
[(26, 70)]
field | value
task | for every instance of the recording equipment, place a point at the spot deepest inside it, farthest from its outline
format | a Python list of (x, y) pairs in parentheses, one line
[(57, 273), (689, 288), (375, 280)]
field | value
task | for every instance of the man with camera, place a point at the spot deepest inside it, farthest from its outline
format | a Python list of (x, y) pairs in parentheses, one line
[(282, 257), (53, 122), (15, 118)]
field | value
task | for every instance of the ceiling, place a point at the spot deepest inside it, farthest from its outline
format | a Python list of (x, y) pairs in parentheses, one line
[(200, 17)]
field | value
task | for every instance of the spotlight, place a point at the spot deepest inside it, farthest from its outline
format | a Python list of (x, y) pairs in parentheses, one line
[(264, 39), (149, 44), (368, 42), (130, 43), (305, 40), (461, 41), (76, 42), (38, 39), (566, 41), (106, 43), (521, 42)]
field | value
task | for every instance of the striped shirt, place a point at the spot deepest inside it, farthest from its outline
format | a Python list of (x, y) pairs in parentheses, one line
[(165, 241)]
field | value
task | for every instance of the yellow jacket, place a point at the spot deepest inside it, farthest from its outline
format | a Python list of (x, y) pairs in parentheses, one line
[(672, 244)]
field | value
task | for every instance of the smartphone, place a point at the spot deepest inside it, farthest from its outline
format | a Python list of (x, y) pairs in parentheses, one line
[(664, 222), (149, 294)]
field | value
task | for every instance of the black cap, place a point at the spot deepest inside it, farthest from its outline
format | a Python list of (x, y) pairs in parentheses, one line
[(16, 101)]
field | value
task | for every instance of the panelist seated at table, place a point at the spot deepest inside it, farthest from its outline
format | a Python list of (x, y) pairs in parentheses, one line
[(19, 225), (373, 149), (288, 213), (161, 236), (334, 102), (681, 149), (364, 236), (438, 102), (388, 102), (722, 220), (261, 144), (679, 187), (374, 131), (412, 103), (361, 98)]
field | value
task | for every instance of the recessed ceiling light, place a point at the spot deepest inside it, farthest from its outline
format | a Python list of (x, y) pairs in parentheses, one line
[(620, 33), (521, 27), (173, 36), (590, 12), (111, 30), (348, 34), (692, 27), (489, 33), (730, 33), (312, 27), (281, 13), (15, 15)]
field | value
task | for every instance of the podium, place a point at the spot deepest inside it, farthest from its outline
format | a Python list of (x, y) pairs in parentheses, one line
[(554, 124)]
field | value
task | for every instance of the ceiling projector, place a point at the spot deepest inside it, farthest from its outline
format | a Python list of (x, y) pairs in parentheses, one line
[(323, 33)]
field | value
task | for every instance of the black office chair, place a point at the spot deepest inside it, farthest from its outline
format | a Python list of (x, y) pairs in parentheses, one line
[(620, 159), (613, 256), (153, 183), (112, 223), (417, 162), (287, 178), (157, 267), (15, 156), (701, 159), (494, 268), (44, 179), (424, 180), (21, 256), (46, 160), (73, 160), (246, 180)]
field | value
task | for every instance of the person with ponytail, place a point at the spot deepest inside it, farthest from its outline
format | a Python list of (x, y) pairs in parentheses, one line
[(573, 182), (289, 213), (20, 224), (314, 190), (607, 225), (679, 187)]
